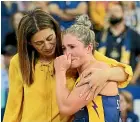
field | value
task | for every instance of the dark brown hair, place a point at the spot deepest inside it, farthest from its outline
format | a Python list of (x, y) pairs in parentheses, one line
[(30, 24)]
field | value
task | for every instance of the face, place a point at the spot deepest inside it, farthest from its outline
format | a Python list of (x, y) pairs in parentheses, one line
[(116, 11), (71, 45), (123, 103), (44, 42)]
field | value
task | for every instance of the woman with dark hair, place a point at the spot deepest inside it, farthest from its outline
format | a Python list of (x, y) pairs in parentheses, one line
[(32, 87)]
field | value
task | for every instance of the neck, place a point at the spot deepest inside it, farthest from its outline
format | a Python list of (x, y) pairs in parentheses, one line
[(118, 29), (86, 64), (123, 115), (46, 59)]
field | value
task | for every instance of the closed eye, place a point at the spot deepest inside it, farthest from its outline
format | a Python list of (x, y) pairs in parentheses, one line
[(39, 43), (49, 38)]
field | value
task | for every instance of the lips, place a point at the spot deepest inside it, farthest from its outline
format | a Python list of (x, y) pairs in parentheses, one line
[(48, 51)]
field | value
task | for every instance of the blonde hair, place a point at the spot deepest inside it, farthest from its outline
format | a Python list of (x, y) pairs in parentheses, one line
[(129, 99), (81, 29)]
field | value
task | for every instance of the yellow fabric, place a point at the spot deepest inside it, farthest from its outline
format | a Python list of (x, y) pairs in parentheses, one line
[(114, 63), (97, 114), (125, 58), (37, 103), (98, 12)]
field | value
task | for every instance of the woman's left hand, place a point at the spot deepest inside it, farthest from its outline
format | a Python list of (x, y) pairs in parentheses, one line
[(96, 78)]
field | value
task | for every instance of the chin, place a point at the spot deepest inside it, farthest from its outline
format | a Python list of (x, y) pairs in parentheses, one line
[(74, 65), (50, 54)]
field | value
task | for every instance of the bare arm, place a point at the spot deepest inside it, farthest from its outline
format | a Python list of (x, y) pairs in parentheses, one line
[(117, 74), (54, 9), (69, 102), (81, 9), (136, 73)]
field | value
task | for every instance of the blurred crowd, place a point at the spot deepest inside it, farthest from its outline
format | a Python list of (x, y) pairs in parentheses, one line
[(116, 26)]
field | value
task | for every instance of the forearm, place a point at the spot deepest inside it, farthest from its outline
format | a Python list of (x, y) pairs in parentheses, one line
[(81, 9), (117, 74), (136, 72), (54, 9), (65, 16), (62, 91), (74, 12), (69, 102)]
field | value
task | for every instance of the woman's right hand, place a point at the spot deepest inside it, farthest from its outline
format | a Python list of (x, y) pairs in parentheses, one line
[(62, 63)]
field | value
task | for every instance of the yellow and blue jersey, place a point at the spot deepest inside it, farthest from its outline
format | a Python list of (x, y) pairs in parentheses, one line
[(101, 109)]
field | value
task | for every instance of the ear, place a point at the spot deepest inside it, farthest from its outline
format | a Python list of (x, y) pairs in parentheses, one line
[(90, 48)]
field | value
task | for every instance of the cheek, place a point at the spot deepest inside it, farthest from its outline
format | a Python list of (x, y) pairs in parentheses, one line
[(64, 52), (80, 52)]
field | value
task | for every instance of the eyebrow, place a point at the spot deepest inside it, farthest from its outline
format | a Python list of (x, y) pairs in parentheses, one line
[(71, 44), (45, 37)]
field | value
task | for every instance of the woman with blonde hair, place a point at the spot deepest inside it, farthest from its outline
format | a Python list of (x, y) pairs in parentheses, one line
[(78, 44), (126, 107)]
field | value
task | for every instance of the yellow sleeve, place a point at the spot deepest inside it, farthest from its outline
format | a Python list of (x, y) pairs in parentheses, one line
[(15, 95), (114, 63), (97, 13)]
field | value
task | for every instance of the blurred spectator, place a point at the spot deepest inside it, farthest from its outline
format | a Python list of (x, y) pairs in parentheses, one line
[(42, 5), (21, 5), (5, 62), (7, 9), (126, 107), (130, 15), (138, 14), (98, 12), (4, 86), (119, 41), (9, 51), (66, 11), (11, 37), (136, 77), (30, 5)]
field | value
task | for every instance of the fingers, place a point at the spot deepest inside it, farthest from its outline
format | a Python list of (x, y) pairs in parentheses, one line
[(92, 92), (69, 58), (85, 73), (84, 81), (98, 90), (88, 72), (86, 89)]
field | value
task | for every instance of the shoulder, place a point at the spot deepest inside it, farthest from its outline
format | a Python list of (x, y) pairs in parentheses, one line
[(134, 33), (15, 59), (101, 65), (132, 115)]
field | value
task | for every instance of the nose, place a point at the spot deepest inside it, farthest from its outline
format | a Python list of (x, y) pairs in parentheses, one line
[(47, 45), (67, 51)]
